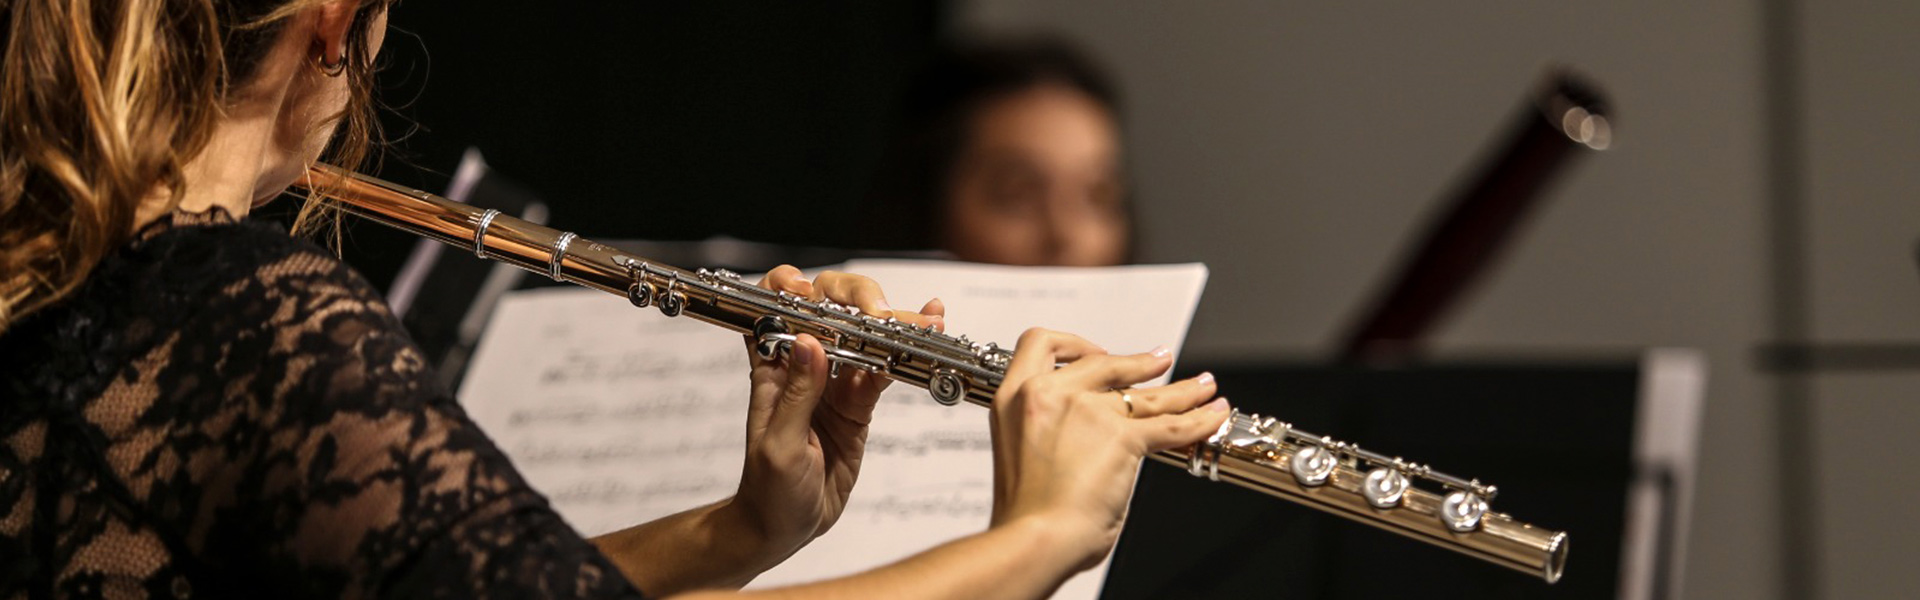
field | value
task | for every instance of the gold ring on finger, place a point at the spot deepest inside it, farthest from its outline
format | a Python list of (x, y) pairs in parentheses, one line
[(1128, 400)]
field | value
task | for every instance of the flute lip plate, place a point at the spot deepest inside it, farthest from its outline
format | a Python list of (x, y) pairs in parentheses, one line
[(1556, 558)]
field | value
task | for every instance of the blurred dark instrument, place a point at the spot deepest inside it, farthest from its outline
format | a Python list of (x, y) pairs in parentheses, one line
[(1566, 118)]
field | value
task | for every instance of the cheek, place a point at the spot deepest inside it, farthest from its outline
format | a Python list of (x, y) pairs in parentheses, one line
[(1098, 242), (313, 138), (307, 123)]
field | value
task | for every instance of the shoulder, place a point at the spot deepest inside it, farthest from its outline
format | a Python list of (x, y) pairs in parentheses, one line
[(320, 329), (275, 310), (244, 276), (201, 295), (221, 261)]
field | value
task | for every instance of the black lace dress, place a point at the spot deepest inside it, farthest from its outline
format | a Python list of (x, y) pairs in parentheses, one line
[(224, 411)]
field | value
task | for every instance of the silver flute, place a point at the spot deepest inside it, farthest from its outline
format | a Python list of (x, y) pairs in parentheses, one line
[(1248, 450)]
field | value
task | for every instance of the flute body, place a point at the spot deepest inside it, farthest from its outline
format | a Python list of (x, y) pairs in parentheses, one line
[(1251, 451)]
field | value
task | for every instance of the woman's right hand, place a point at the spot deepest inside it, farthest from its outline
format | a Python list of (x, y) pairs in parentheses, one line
[(1066, 449), (1065, 454)]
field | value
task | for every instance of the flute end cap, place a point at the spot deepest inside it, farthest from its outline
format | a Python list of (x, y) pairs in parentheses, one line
[(1556, 558)]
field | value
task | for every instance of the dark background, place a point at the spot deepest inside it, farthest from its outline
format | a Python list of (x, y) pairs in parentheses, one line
[(650, 120)]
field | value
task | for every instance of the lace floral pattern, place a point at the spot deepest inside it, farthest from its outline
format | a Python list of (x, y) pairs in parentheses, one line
[(225, 411)]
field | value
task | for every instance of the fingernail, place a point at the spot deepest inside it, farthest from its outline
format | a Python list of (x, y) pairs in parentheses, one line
[(1204, 378), (1161, 351), (1218, 405), (884, 307), (801, 357)]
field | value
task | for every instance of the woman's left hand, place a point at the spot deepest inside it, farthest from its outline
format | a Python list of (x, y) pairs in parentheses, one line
[(807, 431)]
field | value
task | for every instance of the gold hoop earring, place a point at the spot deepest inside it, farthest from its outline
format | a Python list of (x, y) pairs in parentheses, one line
[(331, 70)]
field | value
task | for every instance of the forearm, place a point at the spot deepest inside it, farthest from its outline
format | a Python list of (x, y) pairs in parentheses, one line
[(1022, 559), (704, 548)]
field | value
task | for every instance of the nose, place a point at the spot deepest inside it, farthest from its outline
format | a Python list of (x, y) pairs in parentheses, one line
[(1059, 225)]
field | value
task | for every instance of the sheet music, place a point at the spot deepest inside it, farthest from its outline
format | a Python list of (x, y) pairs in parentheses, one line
[(621, 416)]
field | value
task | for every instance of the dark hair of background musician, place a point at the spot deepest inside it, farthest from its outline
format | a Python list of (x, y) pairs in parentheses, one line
[(108, 129), (1033, 199)]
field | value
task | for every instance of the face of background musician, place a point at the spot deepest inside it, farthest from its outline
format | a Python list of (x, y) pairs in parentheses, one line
[(1038, 183), (280, 121)]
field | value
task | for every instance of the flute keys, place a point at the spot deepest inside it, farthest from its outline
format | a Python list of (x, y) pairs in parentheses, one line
[(1312, 465), (674, 301), (947, 388), (1385, 487), (770, 337), (1461, 511), (641, 294)]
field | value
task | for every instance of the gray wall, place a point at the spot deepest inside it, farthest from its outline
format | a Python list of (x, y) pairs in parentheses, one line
[(1294, 149), (1862, 188)]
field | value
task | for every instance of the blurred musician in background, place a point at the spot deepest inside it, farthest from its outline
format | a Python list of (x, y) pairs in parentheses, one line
[(1007, 152), (194, 404)]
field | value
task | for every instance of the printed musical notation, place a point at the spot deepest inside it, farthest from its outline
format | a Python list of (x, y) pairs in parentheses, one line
[(964, 500), (621, 415)]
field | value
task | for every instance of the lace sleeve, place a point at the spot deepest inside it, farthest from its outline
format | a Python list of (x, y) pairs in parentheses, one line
[(369, 480)]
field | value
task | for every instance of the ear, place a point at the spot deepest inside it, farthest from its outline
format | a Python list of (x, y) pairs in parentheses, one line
[(330, 34)]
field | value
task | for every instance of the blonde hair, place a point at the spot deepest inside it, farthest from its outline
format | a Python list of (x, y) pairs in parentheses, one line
[(103, 100)]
